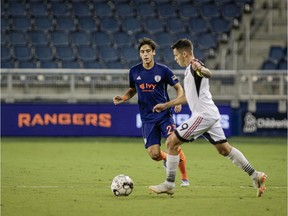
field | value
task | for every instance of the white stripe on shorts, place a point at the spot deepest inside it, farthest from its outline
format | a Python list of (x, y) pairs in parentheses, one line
[(193, 127)]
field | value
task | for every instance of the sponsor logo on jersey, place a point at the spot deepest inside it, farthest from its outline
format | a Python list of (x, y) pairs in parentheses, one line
[(147, 87)]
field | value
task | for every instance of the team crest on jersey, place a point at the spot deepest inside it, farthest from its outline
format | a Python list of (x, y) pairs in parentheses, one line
[(157, 78)]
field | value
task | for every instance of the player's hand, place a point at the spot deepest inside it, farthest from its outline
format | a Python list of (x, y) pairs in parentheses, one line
[(118, 99), (196, 66), (178, 108), (159, 108)]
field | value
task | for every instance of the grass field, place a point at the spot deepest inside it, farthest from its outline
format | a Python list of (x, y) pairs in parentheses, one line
[(72, 177)]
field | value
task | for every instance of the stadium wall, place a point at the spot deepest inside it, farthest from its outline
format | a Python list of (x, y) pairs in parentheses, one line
[(56, 119)]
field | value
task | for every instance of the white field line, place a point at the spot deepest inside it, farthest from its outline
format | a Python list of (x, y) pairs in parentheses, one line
[(139, 186)]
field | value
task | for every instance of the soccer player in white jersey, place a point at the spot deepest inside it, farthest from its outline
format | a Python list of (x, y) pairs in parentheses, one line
[(205, 121)]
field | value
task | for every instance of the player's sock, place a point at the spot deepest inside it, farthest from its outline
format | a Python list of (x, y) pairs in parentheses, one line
[(182, 165), (172, 164), (239, 160)]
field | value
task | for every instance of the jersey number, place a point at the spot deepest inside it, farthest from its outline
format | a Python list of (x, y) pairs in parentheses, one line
[(170, 129)]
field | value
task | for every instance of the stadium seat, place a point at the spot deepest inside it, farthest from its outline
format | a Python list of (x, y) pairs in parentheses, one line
[(71, 64), (207, 41), (276, 53), (129, 54), (123, 39), (109, 25), (5, 23), (145, 10), (131, 25), (65, 23), (44, 53), (87, 53), (231, 10), (285, 53), (59, 9), (22, 23), (102, 10), (37, 38), (43, 23), (65, 53), (86, 23), (209, 10), (49, 64), (5, 53), (188, 11), (6, 64), (282, 65), (143, 34), (38, 8), (59, 38), (187, 35), (80, 8), (101, 38), (199, 54), (198, 25), (79, 38), (3, 37), (164, 40), (17, 8), (22, 52), (16, 38), (221, 27), (116, 65), (153, 25), (125, 10), (26, 64), (108, 54), (167, 55), (175, 25), (167, 10), (92, 65), (269, 65)]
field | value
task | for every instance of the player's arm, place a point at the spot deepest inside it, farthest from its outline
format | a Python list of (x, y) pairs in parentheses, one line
[(180, 92), (201, 69), (163, 106), (128, 95)]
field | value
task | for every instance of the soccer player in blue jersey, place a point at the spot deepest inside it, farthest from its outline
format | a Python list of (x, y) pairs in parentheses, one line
[(150, 80)]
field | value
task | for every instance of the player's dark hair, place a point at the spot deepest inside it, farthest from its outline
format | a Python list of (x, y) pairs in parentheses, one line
[(181, 44), (147, 41)]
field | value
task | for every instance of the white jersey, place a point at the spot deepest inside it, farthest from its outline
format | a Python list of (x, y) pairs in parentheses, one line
[(198, 95)]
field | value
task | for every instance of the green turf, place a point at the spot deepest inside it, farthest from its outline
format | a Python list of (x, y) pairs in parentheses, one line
[(72, 177)]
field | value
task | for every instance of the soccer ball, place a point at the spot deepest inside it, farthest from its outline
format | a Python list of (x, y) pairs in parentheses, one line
[(122, 185)]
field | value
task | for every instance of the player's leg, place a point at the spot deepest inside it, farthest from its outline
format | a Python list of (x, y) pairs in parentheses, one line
[(183, 169), (172, 144), (217, 137), (156, 153), (188, 131), (167, 127), (152, 139)]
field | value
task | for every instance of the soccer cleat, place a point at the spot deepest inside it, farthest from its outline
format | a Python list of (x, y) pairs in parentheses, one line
[(185, 183), (259, 183), (162, 188)]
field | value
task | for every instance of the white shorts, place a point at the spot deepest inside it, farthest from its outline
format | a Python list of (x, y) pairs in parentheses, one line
[(196, 126)]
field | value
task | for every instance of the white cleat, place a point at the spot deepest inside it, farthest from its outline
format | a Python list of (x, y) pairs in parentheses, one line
[(162, 188), (185, 183), (259, 183)]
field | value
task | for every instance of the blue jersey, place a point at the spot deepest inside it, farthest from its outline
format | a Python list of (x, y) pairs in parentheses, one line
[(151, 86)]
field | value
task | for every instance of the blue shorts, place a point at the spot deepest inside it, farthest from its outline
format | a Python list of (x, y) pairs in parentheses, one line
[(153, 131)]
